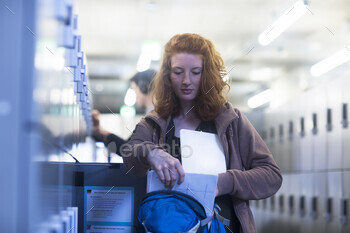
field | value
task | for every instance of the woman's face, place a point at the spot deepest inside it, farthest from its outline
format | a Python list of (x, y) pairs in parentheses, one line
[(186, 72)]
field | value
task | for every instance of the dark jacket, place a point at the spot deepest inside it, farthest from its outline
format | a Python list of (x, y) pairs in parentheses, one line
[(251, 170)]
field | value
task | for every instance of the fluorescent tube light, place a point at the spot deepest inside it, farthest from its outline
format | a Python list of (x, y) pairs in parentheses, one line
[(288, 18), (143, 63), (260, 99), (331, 62), (151, 51)]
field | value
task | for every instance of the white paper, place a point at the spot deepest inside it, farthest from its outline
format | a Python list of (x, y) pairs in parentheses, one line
[(201, 153), (202, 187)]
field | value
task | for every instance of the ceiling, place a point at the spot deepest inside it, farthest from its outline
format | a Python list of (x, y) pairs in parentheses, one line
[(113, 32)]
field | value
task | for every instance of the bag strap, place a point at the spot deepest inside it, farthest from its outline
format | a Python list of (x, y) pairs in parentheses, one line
[(216, 214)]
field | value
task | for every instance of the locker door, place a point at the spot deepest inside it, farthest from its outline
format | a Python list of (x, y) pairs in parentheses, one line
[(282, 221), (345, 203), (305, 133), (319, 136), (293, 136), (335, 190), (307, 222), (333, 114), (281, 147), (345, 135), (293, 200), (345, 106), (320, 205)]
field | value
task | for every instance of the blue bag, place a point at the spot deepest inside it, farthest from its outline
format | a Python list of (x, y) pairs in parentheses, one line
[(171, 211)]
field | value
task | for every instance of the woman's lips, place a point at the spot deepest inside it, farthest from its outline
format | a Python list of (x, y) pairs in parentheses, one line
[(187, 91)]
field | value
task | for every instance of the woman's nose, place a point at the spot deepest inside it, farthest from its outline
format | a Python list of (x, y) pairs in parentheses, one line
[(186, 78)]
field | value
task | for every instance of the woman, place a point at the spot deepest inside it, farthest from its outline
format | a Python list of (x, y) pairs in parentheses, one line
[(189, 95)]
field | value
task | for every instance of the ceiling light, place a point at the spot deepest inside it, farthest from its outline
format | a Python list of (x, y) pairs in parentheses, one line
[(143, 63), (288, 18), (260, 99), (151, 51), (130, 97), (331, 62)]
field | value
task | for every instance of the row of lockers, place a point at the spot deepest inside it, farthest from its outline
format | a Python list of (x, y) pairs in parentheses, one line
[(47, 97), (306, 202), (62, 96), (311, 132)]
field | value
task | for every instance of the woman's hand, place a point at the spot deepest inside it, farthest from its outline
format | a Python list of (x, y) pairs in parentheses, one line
[(167, 167)]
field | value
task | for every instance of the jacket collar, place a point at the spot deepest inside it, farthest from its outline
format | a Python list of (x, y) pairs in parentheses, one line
[(226, 116)]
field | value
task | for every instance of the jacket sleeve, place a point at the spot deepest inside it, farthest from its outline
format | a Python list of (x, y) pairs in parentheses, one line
[(261, 177), (136, 150)]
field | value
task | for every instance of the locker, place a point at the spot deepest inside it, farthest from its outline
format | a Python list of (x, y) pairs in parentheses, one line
[(271, 134), (293, 137), (335, 193), (319, 137), (282, 139), (293, 203), (333, 125), (290, 144), (305, 126), (345, 106), (345, 210), (306, 181), (281, 222), (321, 206)]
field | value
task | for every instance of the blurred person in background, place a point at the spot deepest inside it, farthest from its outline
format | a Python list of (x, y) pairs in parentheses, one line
[(141, 83)]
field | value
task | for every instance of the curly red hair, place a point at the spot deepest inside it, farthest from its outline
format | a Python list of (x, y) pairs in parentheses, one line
[(210, 97)]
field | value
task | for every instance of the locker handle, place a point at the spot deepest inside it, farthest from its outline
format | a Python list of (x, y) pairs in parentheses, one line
[(291, 204), (281, 203), (290, 129), (302, 206), (329, 209), (344, 121), (314, 123), (302, 127), (329, 120), (314, 207), (280, 131), (344, 211), (272, 202)]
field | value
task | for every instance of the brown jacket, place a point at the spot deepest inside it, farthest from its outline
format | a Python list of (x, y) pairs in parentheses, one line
[(251, 170)]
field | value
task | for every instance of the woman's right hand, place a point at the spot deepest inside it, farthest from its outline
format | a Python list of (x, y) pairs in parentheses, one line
[(166, 166)]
